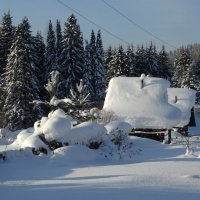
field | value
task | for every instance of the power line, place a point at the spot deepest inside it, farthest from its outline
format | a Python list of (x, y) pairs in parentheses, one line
[(139, 26), (92, 22)]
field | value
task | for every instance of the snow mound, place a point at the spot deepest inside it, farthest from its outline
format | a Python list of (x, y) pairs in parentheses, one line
[(145, 107), (33, 141), (185, 100), (118, 125), (75, 153), (23, 135), (86, 133), (56, 127)]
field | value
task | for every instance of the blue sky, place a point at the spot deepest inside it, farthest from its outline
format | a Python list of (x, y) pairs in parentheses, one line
[(174, 21)]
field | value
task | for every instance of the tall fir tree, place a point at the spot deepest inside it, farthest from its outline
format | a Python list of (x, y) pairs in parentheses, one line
[(88, 72), (131, 61), (166, 69), (181, 76), (6, 39), (100, 77), (109, 64), (50, 55), (58, 45), (140, 60), (19, 84), (93, 56), (152, 67), (118, 63), (73, 57), (40, 70)]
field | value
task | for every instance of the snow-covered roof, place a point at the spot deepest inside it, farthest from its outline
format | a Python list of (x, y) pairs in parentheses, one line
[(145, 107), (183, 99)]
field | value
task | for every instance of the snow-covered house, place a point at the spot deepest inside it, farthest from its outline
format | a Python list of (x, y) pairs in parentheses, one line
[(143, 102)]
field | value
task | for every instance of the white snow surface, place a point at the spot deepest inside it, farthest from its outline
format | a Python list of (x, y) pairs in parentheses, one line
[(75, 153), (157, 171), (145, 107), (185, 102)]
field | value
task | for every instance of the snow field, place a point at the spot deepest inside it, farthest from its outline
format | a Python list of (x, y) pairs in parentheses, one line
[(158, 171)]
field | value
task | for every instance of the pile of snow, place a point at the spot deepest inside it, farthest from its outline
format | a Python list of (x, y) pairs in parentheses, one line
[(55, 127), (145, 107), (85, 133), (184, 100)]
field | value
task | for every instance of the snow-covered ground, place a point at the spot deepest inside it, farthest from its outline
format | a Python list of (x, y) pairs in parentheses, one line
[(156, 171), (146, 170)]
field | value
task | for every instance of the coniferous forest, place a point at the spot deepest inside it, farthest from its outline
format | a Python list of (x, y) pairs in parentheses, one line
[(27, 61)]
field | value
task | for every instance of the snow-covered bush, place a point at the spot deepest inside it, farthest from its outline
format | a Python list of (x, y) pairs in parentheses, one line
[(89, 134), (118, 132), (106, 116)]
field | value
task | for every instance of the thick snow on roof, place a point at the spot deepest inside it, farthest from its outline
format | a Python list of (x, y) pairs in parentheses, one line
[(145, 107), (185, 101)]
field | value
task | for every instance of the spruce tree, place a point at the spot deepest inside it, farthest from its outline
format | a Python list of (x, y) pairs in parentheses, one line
[(6, 39), (140, 60), (93, 56), (165, 67), (19, 84), (73, 57), (118, 63), (100, 77), (181, 76), (58, 45), (88, 72), (130, 62), (39, 63), (152, 61), (109, 64), (50, 55)]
